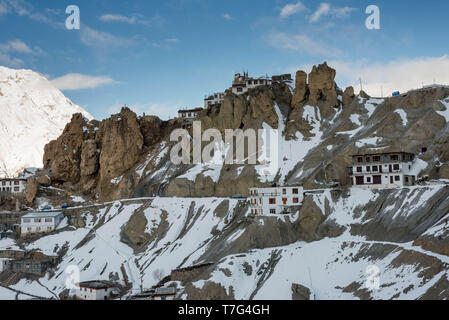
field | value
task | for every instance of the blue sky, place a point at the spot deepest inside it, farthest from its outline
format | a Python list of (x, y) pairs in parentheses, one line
[(157, 56)]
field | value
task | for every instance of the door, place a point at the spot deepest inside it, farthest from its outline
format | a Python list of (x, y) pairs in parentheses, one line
[(391, 168), (359, 180), (391, 180), (377, 180)]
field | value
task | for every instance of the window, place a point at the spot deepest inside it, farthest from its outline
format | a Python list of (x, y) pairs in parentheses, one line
[(376, 159), (16, 189), (48, 219), (239, 89), (37, 220), (295, 200), (375, 168), (396, 167), (394, 157), (284, 191), (26, 220), (272, 200), (359, 159), (368, 159), (368, 179), (368, 169), (272, 211), (295, 191), (359, 169), (397, 178), (16, 183), (406, 179)]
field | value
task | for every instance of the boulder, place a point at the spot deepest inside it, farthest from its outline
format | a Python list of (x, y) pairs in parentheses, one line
[(300, 292), (31, 191)]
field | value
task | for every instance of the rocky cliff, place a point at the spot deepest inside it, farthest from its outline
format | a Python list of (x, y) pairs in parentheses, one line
[(320, 127)]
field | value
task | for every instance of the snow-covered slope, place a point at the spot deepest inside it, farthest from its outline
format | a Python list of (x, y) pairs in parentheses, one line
[(33, 112), (263, 257)]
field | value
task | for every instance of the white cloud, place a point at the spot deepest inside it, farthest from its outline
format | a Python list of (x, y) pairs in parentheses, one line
[(290, 9), (172, 40), (16, 46), (323, 9), (8, 61), (326, 9), (301, 43), (227, 16), (100, 39), (396, 75), (3, 8), (134, 19), (76, 81)]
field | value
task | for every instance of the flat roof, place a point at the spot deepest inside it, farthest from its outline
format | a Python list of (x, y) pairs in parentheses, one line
[(380, 153), (42, 215), (96, 284)]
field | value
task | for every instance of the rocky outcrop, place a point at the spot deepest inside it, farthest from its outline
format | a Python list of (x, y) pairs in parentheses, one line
[(301, 89), (310, 218), (322, 88), (89, 155), (348, 96), (31, 190)]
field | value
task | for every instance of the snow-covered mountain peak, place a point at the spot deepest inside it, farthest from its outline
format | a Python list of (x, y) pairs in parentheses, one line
[(33, 112)]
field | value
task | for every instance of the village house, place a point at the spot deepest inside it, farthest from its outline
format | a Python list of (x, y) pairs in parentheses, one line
[(243, 83), (188, 116), (164, 293), (274, 200), (37, 268), (10, 219), (40, 222), (14, 186), (214, 99), (96, 290), (5, 264), (377, 170)]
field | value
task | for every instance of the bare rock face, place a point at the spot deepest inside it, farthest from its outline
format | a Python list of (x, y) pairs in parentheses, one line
[(301, 89), (310, 219), (121, 146), (88, 155), (31, 190), (348, 96), (62, 156), (323, 89)]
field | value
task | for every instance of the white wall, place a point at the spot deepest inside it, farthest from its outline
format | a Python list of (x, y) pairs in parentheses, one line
[(39, 225), (93, 294), (261, 200), (10, 186)]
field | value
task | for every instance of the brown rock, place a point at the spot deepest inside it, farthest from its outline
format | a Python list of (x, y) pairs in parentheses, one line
[(323, 89), (31, 191), (301, 89), (310, 217), (348, 96)]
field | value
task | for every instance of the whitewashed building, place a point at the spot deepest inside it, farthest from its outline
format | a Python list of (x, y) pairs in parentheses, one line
[(214, 99), (243, 83), (383, 170), (40, 222), (95, 290), (13, 186), (274, 200)]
